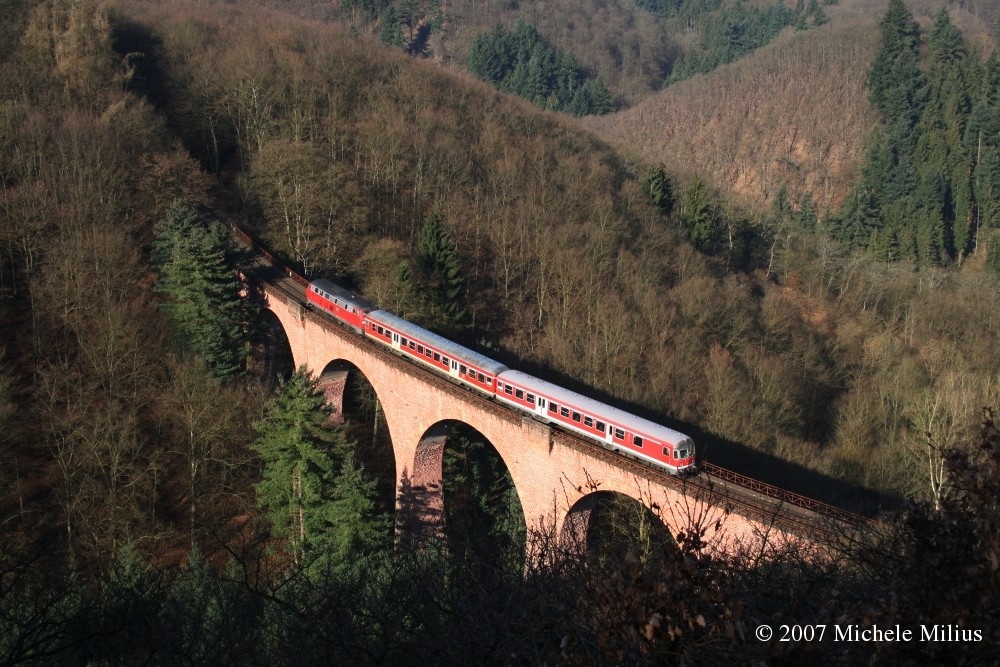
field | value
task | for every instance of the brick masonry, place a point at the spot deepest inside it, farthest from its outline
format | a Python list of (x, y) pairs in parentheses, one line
[(552, 471)]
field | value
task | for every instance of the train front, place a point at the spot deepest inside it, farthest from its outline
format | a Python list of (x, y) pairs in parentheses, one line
[(684, 458)]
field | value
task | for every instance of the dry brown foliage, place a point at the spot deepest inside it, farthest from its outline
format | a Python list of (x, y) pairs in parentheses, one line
[(795, 113)]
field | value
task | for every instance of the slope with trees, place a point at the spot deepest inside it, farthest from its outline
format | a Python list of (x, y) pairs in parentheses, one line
[(926, 191), (128, 456)]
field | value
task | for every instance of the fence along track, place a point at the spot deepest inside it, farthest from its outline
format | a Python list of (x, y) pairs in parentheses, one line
[(746, 495)]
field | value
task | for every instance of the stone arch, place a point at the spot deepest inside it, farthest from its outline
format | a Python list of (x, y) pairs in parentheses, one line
[(422, 494), (332, 380), (271, 352), (356, 404), (291, 319), (593, 511)]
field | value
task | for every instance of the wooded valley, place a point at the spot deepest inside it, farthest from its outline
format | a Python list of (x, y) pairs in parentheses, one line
[(164, 503)]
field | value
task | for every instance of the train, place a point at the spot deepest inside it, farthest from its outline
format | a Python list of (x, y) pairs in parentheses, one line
[(611, 427)]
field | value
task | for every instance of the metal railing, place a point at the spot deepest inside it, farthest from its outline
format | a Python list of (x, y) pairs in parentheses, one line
[(777, 493), (762, 488), (265, 253)]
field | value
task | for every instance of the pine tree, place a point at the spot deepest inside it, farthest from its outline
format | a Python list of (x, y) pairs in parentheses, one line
[(601, 100), (993, 252), (941, 150), (438, 278), (202, 294), (698, 217), (357, 529), (806, 216), (895, 83), (660, 190), (298, 453), (390, 28)]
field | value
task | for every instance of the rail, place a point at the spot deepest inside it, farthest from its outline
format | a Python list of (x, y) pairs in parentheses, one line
[(257, 246), (782, 495), (742, 481)]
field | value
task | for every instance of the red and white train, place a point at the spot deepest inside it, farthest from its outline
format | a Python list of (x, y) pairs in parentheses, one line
[(613, 428)]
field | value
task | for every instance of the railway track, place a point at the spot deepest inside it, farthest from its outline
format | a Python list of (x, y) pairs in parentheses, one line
[(766, 503)]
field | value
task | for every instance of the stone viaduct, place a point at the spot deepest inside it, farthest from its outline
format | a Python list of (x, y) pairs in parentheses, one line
[(556, 475)]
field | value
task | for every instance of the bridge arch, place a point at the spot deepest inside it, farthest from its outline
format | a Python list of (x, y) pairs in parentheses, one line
[(551, 470), (461, 490), (271, 350), (602, 523), (356, 406)]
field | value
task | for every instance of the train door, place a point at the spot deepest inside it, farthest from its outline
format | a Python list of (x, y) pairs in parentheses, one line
[(395, 341), (454, 369), (540, 406)]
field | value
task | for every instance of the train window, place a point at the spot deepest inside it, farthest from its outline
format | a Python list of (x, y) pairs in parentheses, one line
[(576, 417), (402, 341), (412, 345), (600, 426), (462, 369), (428, 353), (482, 378), (681, 454), (508, 390), (420, 349), (381, 331), (666, 452), (444, 360), (519, 394), (489, 381), (531, 398), (620, 434), (637, 441), (553, 407), (564, 412), (587, 421)]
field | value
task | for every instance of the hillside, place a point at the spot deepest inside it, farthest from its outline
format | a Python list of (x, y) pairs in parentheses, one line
[(142, 452), (795, 113)]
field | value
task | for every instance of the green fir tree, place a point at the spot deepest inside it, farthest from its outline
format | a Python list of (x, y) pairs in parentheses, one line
[(659, 189), (438, 279), (201, 293), (299, 456)]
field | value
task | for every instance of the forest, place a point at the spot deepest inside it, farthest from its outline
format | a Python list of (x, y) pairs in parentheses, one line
[(165, 502)]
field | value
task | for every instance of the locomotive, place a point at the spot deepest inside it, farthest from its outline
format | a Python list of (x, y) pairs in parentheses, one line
[(615, 429)]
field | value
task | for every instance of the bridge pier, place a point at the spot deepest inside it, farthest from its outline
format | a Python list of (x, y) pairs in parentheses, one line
[(332, 383), (420, 501), (551, 470)]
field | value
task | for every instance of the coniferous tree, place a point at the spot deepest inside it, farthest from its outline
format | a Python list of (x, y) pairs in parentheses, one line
[(698, 217), (358, 528), (895, 83), (660, 190), (806, 217), (316, 494), (438, 280), (883, 204), (202, 294), (518, 61), (297, 450), (390, 28), (941, 146), (993, 252)]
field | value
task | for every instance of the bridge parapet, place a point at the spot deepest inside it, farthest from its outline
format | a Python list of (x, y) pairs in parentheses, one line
[(552, 470)]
